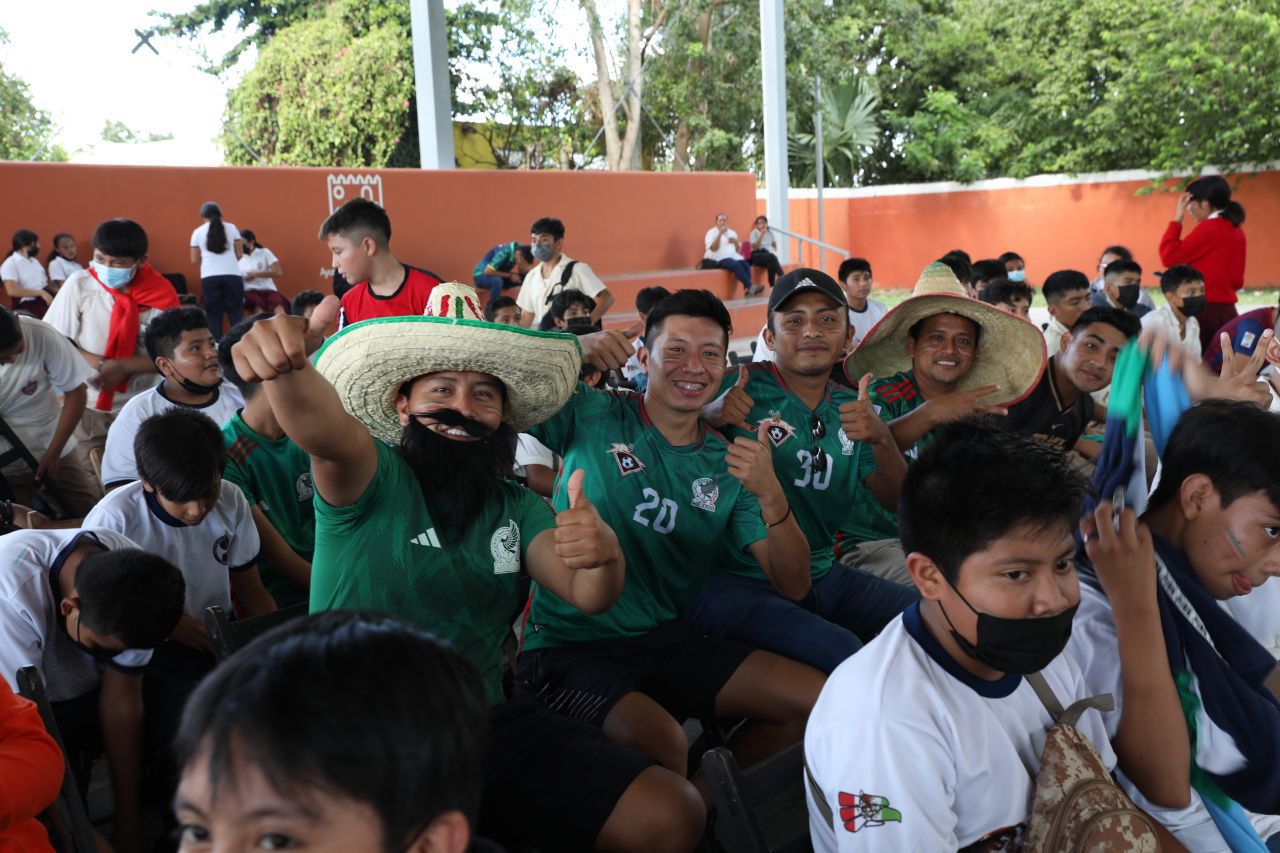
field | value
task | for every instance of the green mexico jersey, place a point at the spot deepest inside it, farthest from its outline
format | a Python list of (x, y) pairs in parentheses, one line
[(275, 476), (384, 553), (820, 499), (895, 396), (676, 511)]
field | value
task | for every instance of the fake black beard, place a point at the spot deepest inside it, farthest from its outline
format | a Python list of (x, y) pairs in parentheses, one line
[(457, 477)]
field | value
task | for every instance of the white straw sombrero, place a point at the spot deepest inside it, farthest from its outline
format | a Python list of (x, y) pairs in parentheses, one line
[(368, 362), (1011, 351)]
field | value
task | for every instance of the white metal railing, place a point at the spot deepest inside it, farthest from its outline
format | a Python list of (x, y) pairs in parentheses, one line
[(819, 246)]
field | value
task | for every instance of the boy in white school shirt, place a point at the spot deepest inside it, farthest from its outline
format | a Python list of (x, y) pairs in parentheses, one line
[(930, 738), (181, 509), (1183, 289), (85, 607), (37, 362), (186, 355)]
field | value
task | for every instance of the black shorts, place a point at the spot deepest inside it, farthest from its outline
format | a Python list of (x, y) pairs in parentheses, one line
[(551, 782), (680, 669)]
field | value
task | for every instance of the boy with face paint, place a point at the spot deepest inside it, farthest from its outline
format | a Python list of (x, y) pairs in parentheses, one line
[(1210, 532), (1183, 289), (1121, 287), (186, 355), (930, 737), (103, 311)]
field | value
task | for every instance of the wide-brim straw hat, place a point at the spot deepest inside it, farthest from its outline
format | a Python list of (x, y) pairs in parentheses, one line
[(1011, 351), (368, 362)]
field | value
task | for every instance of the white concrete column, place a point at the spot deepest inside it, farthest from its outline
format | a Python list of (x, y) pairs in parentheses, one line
[(773, 64), (431, 83)]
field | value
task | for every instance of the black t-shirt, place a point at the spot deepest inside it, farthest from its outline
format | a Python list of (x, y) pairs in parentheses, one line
[(1044, 416)]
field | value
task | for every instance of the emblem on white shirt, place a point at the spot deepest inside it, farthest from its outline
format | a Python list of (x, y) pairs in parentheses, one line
[(221, 548), (505, 548), (866, 811)]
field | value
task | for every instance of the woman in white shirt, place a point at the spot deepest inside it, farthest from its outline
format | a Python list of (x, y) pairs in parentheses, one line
[(62, 260), (260, 268), (23, 276), (764, 249), (215, 246)]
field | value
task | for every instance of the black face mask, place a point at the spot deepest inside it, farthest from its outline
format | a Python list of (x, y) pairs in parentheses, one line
[(1192, 305), (195, 387), (1018, 646), (1127, 295)]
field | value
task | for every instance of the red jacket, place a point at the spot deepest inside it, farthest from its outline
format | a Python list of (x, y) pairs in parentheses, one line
[(1215, 248), (30, 773)]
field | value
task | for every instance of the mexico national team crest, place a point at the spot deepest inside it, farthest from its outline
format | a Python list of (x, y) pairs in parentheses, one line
[(847, 445), (778, 430), (705, 494), (866, 811), (304, 487), (628, 462), (504, 545)]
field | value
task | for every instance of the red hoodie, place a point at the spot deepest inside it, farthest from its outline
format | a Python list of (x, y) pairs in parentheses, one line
[(30, 774), (1215, 248)]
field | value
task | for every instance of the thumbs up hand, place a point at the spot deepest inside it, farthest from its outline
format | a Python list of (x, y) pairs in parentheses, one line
[(750, 462), (860, 421), (583, 540), (610, 349), (282, 344), (734, 407)]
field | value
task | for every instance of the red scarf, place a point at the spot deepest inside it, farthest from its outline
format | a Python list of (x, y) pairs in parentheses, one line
[(147, 289)]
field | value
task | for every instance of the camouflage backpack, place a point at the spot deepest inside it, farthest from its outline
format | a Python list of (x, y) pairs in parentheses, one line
[(1076, 805)]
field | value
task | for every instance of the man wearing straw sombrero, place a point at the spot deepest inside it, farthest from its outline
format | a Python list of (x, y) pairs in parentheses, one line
[(411, 426), (938, 356)]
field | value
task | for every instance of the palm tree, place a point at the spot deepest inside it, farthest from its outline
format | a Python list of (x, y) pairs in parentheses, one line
[(849, 126)]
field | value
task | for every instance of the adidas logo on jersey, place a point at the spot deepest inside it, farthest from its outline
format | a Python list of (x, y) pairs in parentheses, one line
[(427, 538)]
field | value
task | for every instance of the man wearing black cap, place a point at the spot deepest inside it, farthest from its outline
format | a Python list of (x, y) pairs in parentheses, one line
[(829, 447)]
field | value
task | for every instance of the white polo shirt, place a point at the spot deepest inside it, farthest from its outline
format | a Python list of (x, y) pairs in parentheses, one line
[(259, 260), (912, 752), (1094, 644), (61, 269), (32, 629), (28, 388), (535, 289), (727, 250), (226, 541), (118, 462), (27, 272), (216, 263), (1162, 318), (82, 312)]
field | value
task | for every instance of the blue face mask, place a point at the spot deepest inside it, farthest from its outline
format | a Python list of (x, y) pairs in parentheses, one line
[(1017, 275), (113, 277)]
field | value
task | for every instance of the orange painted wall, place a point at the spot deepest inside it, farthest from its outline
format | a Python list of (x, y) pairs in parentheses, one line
[(1052, 227), (441, 220)]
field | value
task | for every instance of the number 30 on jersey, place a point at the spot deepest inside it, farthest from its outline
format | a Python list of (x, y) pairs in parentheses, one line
[(817, 479)]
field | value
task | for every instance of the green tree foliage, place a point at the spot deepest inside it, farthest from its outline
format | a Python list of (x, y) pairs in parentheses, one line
[(322, 95), (26, 132), (849, 130)]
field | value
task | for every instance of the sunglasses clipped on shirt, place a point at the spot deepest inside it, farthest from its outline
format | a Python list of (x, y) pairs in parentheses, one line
[(818, 431)]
